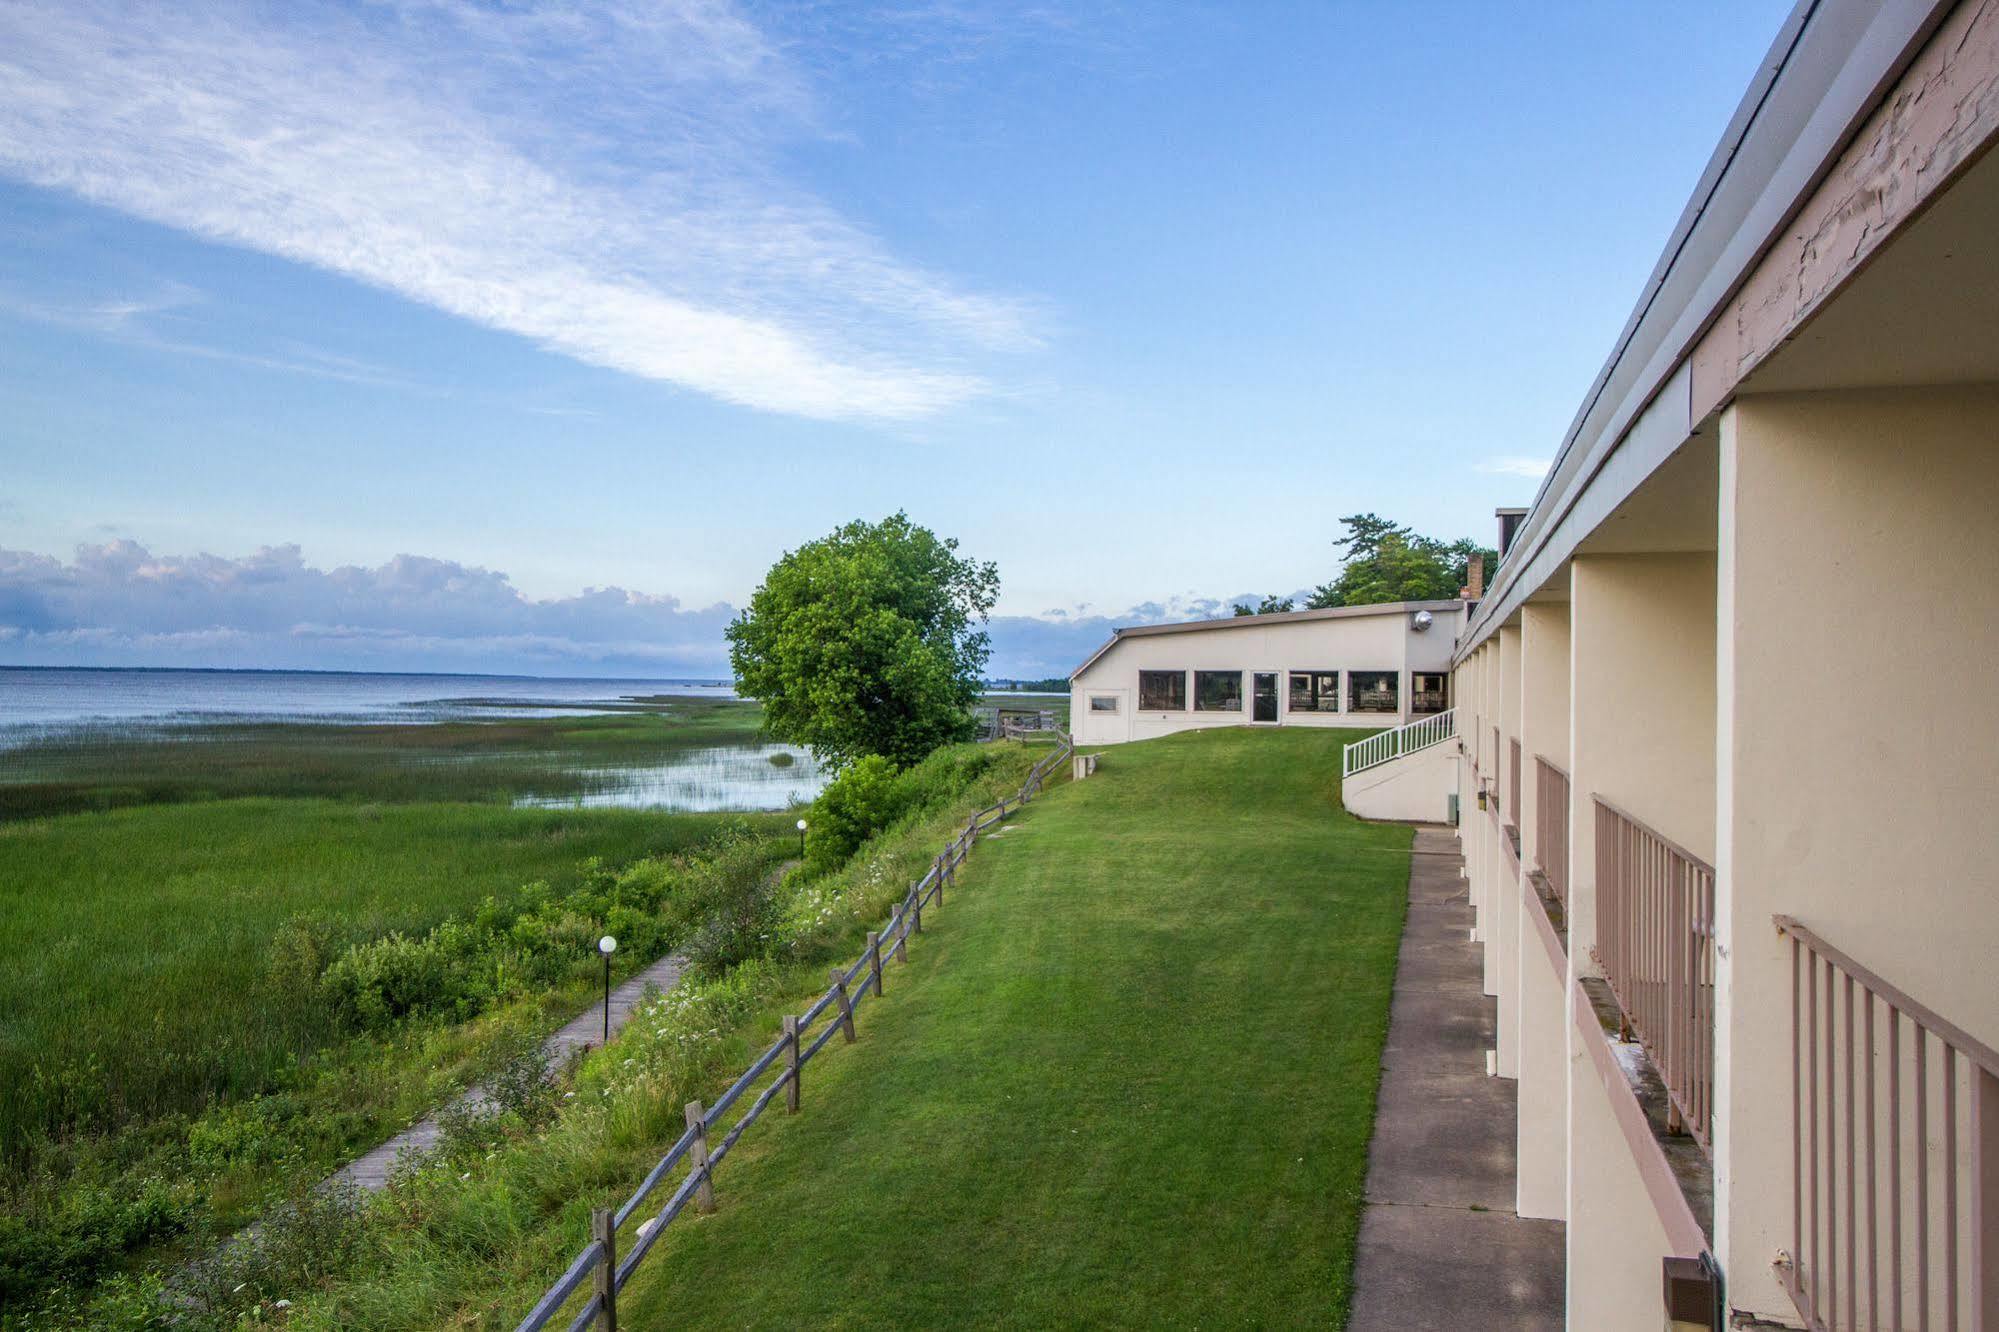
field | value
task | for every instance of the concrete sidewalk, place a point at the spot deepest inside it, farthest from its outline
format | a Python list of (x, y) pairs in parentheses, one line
[(1440, 1244)]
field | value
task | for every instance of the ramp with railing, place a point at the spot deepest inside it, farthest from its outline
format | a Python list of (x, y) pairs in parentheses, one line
[(1382, 746)]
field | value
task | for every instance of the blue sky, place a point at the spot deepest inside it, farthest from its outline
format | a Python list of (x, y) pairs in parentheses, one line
[(433, 333)]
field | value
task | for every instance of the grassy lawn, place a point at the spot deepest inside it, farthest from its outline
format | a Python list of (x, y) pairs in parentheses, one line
[(133, 944), (1128, 1077)]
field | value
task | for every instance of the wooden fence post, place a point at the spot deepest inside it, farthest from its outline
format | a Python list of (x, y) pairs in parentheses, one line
[(791, 1042), (846, 1004), (604, 1229), (875, 960), (938, 866), (915, 916), (697, 1158)]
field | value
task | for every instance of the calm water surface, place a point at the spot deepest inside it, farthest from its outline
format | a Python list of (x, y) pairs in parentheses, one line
[(55, 697), (747, 777)]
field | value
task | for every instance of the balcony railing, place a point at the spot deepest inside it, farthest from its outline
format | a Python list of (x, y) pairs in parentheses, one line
[(1655, 942), (1551, 827), (1895, 1115), (1513, 781)]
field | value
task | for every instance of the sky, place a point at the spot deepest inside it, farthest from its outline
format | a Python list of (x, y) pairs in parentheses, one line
[(491, 335)]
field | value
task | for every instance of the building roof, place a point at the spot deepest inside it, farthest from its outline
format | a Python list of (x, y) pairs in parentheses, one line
[(1823, 76), (1263, 621)]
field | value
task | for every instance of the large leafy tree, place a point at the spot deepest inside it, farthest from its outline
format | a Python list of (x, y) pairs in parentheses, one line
[(867, 642), (1387, 561)]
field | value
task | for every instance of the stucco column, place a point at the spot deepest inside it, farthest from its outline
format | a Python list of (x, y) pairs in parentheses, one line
[(1504, 950), (1858, 746), (1541, 1140), (1641, 710)]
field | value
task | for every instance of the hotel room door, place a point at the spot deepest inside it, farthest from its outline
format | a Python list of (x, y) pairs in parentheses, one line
[(1265, 697)]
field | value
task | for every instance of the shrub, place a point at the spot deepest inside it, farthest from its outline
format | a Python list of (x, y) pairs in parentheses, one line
[(865, 798)]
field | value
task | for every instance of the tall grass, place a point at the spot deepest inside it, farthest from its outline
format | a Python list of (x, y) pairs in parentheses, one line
[(99, 768), (137, 973)]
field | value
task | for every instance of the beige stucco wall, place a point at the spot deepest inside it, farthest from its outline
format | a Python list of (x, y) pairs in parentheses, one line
[(1859, 743), (1541, 1130), (1384, 641), (1544, 705), (1415, 788), (1641, 709)]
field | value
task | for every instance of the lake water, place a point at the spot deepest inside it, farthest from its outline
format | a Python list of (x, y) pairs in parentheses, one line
[(745, 777), (40, 698)]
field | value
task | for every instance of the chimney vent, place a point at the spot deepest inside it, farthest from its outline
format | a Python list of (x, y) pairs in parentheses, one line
[(1474, 587)]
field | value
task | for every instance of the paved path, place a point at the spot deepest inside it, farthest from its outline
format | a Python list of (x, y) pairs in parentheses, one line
[(371, 1172), (1440, 1245)]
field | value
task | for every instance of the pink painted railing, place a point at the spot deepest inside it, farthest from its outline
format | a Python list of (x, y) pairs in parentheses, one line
[(1551, 826), (1514, 802), (1894, 1157), (1655, 942)]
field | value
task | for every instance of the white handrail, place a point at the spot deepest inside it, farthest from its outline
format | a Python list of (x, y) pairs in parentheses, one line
[(1394, 743)]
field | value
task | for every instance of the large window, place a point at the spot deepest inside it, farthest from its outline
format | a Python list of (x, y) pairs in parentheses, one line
[(1218, 691), (1315, 691), (1374, 691), (1428, 692), (1162, 691)]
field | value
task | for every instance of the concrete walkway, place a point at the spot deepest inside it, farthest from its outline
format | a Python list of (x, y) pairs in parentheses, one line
[(1440, 1244), (586, 1032)]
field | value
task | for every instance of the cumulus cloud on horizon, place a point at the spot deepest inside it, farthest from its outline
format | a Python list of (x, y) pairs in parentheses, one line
[(600, 179), (120, 604)]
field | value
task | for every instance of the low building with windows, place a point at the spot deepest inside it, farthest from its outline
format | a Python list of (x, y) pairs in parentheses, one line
[(1348, 666)]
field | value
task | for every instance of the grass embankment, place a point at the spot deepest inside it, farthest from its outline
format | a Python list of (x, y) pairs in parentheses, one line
[(1128, 1078), (476, 760), (472, 1239)]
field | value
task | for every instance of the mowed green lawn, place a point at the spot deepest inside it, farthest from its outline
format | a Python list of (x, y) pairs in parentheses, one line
[(1128, 1077), (133, 944)]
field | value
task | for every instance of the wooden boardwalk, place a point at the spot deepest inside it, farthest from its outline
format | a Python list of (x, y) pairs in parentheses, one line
[(371, 1172)]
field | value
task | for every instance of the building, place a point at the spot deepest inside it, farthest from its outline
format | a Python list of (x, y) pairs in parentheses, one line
[(1726, 737), (1350, 666)]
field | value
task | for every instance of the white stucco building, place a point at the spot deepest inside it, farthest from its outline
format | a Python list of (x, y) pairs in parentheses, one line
[(1725, 809), (1351, 666)]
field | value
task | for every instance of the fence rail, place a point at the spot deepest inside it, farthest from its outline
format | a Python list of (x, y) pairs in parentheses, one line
[(600, 1263), (1655, 942), (1551, 827), (1895, 1185), (1393, 743)]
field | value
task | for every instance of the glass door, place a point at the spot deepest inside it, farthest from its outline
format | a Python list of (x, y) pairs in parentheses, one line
[(1265, 694)]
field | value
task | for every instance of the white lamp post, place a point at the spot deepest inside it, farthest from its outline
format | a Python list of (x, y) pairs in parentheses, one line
[(801, 839), (607, 946)]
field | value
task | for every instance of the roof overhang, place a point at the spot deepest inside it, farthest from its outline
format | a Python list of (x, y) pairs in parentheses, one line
[(1828, 69)]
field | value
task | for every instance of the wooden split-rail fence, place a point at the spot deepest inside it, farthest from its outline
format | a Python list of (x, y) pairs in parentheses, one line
[(600, 1265)]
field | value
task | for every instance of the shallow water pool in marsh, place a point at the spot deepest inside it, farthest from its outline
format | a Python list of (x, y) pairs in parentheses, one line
[(726, 777)]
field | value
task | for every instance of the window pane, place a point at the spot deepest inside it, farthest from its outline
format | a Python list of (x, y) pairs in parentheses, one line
[(1315, 691), (1427, 692), (1162, 691), (1218, 691), (1103, 702), (1374, 691)]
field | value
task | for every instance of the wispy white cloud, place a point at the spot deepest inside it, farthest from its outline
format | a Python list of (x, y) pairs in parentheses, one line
[(1531, 468), (601, 179)]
